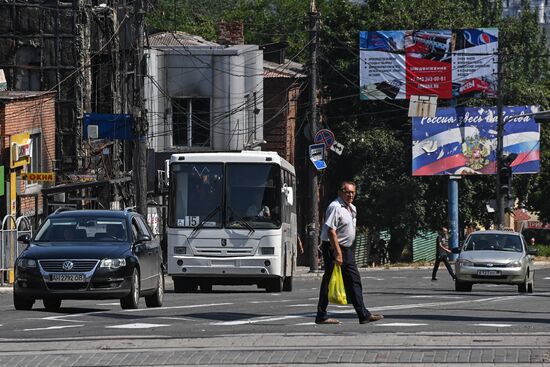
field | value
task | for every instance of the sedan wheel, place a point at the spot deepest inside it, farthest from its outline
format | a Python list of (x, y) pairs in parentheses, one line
[(22, 303), (52, 304), (463, 286), (531, 285), (131, 301), (522, 288), (155, 299)]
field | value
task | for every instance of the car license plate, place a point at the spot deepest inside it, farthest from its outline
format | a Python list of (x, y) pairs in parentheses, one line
[(67, 278), (488, 272)]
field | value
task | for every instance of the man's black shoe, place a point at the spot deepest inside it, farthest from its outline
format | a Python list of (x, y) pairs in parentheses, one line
[(434, 278), (373, 317)]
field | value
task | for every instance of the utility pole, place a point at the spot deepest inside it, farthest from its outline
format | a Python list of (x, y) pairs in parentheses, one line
[(313, 223), (499, 210), (140, 119)]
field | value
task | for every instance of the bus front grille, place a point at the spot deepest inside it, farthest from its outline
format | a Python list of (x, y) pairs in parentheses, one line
[(241, 251)]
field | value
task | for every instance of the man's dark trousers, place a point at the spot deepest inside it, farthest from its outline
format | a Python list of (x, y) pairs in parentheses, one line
[(443, 258), (352, 282)]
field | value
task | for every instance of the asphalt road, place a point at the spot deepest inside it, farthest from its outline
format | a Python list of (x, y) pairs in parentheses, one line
[(421, 317)]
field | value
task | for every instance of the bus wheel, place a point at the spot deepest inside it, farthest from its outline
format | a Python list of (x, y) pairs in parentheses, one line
[(275, 284), (182, 285), (287, 284)]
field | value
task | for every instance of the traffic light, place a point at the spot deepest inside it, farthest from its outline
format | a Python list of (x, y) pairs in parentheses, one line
[(505, 175)]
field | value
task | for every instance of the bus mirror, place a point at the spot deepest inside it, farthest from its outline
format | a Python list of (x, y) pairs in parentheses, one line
[(289, 194)]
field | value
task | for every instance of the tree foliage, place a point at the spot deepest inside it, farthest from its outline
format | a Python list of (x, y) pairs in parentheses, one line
[(377, 135)]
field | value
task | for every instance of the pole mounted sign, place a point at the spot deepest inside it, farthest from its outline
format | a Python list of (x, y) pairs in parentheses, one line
[(20, 150), (324, 136), (317, 156)]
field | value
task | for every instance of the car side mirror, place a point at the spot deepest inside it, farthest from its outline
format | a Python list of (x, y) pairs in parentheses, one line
[(25, 238), (143, 238), (532, 251)]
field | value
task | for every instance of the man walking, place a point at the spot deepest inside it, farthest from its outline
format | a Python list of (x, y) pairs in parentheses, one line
[(442, 250), (337, 236)]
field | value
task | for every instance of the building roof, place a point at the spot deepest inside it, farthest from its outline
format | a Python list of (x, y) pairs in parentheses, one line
[(289, 69), (178, 38), (14, 95), (521, 215)]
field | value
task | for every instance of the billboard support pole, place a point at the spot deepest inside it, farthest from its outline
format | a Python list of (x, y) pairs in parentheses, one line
[(453, 213), (452, 210), (499, 210)]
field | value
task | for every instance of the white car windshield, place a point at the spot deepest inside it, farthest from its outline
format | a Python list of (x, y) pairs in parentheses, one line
[(494, 242)]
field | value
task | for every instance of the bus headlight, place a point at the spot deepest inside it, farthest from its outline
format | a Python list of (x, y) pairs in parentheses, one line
[(267, 250)]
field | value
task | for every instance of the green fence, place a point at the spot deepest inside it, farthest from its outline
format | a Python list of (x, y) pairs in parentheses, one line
[(423, 247)]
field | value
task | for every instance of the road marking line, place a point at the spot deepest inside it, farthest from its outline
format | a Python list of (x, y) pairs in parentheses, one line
[(493, 325), (137, 325), (436, 296), (53, 327), (399, 277), (255, 320), (305, 323), (278, 301), (546, 278), (108, 304), (64, 317), (302, 305), (173, 318), (400, 324)]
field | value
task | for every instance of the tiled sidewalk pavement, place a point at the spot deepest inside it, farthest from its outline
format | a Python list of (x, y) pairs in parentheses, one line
[(314, 349)]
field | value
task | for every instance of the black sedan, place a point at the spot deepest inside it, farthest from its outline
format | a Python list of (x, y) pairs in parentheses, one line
[(90, 254)]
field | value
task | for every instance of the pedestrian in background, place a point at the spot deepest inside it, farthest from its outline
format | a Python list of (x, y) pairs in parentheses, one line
[(337, 236), (442, 251)]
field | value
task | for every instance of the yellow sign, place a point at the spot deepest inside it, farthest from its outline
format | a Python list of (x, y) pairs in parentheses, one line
[(20, 150), (38, 176)]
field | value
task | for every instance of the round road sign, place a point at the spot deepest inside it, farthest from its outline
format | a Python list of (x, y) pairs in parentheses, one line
[(324, 136)]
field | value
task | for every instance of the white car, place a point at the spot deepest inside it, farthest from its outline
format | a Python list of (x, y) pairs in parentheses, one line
[(498, 257)]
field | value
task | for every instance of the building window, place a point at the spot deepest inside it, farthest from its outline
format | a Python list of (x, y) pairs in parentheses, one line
[(191, 122), (36, 153)]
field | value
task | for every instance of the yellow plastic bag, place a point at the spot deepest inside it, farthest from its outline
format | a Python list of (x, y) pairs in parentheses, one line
[(336, 290)]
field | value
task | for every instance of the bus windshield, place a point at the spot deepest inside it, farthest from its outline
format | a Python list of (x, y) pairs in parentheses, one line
[(253, 195), (196, 190)]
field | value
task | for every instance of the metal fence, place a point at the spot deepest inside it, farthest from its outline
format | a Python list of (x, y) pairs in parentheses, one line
[(10, 248)]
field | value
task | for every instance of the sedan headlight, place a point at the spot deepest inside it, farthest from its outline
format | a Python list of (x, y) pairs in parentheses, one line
[(464, 262), (514, 264), (26, 263), (112, 263)]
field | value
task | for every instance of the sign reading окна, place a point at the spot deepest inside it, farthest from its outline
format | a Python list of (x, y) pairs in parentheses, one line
[(38, 176)]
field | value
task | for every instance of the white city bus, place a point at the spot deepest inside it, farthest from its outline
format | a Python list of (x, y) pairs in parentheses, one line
[(231, 220)]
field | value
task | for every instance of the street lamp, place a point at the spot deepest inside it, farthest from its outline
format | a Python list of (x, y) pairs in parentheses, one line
[(504, 163)]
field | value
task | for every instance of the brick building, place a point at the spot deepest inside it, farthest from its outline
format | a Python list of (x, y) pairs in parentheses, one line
[(32, 113)]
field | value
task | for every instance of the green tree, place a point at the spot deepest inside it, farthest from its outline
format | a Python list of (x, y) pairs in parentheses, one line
[(377, 135)]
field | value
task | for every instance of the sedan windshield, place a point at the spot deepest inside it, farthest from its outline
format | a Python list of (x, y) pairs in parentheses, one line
[(83, 229), (495, 242)]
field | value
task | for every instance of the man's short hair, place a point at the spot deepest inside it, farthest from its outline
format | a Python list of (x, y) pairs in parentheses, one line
[(344, 183)]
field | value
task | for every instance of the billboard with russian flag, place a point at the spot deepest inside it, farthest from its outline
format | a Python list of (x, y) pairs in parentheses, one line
[(446, 63), (463, 140)]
